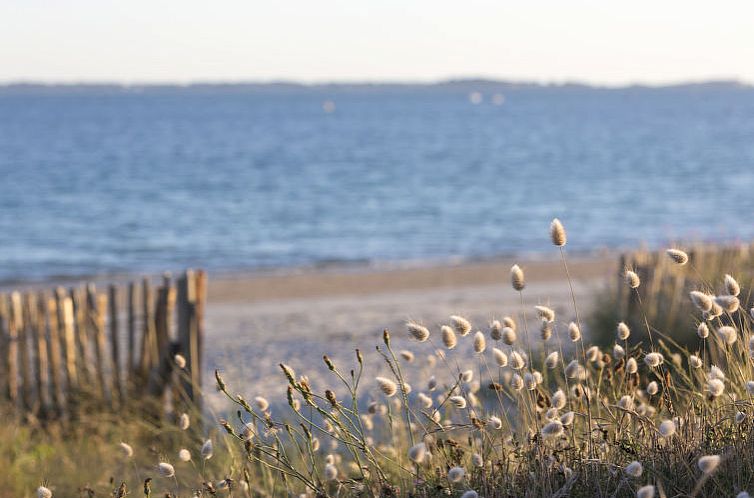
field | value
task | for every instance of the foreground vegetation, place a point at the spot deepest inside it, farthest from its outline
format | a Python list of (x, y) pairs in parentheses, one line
[(524, 413)]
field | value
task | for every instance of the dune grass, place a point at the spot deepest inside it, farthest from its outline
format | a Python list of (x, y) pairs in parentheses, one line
[(508, 410)]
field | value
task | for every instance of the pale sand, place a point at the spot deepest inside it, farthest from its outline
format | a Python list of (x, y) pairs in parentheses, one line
[(255, 322)]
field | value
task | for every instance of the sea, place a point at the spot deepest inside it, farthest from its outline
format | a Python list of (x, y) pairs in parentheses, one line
[(99, 181)]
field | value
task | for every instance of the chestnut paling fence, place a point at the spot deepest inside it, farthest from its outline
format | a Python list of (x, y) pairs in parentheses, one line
[(71, 349)]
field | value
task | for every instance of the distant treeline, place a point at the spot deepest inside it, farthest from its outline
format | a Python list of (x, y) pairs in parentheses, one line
[(448, 86)]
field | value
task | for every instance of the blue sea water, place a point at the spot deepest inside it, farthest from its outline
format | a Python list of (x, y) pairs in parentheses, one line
[(97, 182)]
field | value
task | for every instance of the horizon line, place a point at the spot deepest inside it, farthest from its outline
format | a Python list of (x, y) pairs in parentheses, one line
[(367, 82)]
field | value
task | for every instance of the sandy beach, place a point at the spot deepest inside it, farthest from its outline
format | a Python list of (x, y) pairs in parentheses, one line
[(255, 322)]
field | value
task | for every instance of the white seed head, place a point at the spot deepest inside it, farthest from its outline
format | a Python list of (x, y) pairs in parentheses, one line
[(207, 450), (626, 402), (715, 373), (480, 343), (458, 401), (467, 375), (559, 399), (126, 449), (567, 418), (552, 429), (702, 331), (261, 403), (477, 460), (509, 322), (708, 463), (716, 387), (715, 312), (431, 384), (500, 357), (387, 386), (727, 334), (462, 325), (701, 300), (516, 382), (496, 330), (623, 331), (517, 361), (740, 417), (574, 332), (407, 355), (180, 361), (418, 332), (557, 233), (743, 494), (695, 361), (647, 491), (731, 286), (728, 303), (470, 494), (653, 360), (425, 400), (165, 469), (750, 387), (545, 330), (632, 279), (43, 492), (631, 366), (667, 428), (509, 336), (517, 278), (552, 360), (678, 256), (545, 313), (593, 354), (634, 469), (455, 474), (417, 453), (184, 455), (653, 388), (183, 421), (530, 382), (448, 337), (331, 472), (495, 422), (618, 352), (574, 370)]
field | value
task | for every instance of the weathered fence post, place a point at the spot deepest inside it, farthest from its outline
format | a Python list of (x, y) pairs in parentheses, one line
[(115, 343)]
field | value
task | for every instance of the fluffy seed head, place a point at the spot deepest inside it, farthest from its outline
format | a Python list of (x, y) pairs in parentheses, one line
[(545, 330), (631, 366), (331, 472), (495, 422), (557, 233), (530, 381), (43, 492), (477, 460), (207, 450), (731, 286), (183, 421), (702, 331), (448, 337), (559, 399), (552, 429), (708, 463), (500, 358), (678, 256), (632, 279), (425, 400), (407, 355), (652, 388), (458, 401), (618, 352), (653, 360), (623, 331), (517, 383), (480, 343), (419, 332), (455, 474), (517, 278), (750, 387), (467, 375), (387, 386), (634, 469), (184, 455), (647, 491), (516, 360), (574, 332), (509, 322), (431, 384), (626, 402), (545, 313), (701, 300), (567, 418), (417, 453), (509, 336), (574, 370), (180, 361), (715, 373), (740, 417), (728, 303), (496, 330), (593, 354), (165, 469), (470, 494), (727, 334), (695, 361), (261, 403), (126, 449), (552, 360), (743, 494), (716, 387), (667, 428), (462, 325)]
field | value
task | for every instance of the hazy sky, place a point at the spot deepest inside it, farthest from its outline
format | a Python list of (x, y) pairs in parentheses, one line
[(599, 41)]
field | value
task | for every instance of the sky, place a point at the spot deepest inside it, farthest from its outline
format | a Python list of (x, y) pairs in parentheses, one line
[(600, 42)]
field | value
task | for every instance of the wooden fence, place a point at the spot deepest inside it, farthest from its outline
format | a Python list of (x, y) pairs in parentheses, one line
[(67, 350)]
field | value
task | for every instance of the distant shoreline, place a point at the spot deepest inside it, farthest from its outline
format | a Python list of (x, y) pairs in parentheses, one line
[(31, 87)]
